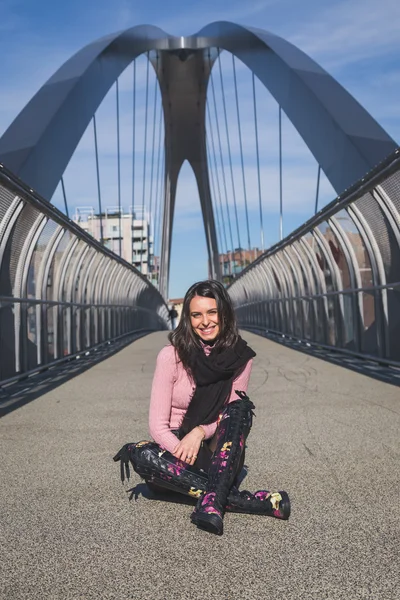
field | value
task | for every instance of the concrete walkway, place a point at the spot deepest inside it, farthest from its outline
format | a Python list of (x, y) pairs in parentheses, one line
[(326, 434)]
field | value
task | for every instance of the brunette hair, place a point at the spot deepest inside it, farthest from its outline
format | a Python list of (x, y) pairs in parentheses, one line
[(183, 337)]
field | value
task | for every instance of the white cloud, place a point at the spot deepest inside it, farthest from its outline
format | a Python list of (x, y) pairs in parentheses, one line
[(348, 32)]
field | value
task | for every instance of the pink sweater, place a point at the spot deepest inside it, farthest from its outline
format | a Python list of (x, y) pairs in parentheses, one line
[(171, 393)]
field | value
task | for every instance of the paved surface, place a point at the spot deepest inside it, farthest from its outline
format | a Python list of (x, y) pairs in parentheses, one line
[(326, 434)]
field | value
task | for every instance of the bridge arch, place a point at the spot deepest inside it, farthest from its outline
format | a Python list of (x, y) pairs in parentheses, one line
[(345, 140)]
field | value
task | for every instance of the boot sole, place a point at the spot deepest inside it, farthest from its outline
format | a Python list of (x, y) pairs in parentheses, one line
[(285, 506), (208, 522)]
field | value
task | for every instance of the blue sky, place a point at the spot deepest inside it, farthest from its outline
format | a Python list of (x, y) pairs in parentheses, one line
[(357, 41)]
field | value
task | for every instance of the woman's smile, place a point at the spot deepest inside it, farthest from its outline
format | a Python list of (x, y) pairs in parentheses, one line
[(204, 317), (208, 330)]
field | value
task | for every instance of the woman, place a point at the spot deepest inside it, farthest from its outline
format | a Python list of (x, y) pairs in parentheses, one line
[(200, 415)]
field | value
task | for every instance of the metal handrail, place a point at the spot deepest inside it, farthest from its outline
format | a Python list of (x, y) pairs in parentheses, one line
[(264, 294), (37, 332)]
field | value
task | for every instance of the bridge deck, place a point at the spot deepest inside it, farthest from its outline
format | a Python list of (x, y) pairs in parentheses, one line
[(326, 434)]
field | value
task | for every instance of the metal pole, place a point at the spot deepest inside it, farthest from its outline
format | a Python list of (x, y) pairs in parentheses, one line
[(222, 164), (65, 197), (133, 155), (157, 203), (214, 195), (280, 178), (317, 193), (258, 165), (144, 158), (241, 153), (162, 206), (217, 179), (230, 156), (152, 172), (98, 180), (119, 172)]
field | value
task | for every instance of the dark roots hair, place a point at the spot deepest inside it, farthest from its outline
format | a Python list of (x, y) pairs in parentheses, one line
[(183, 337)]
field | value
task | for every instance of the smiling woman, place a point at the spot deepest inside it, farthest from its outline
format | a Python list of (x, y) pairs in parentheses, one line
[(207, 316), (204, 318), (200, 415)]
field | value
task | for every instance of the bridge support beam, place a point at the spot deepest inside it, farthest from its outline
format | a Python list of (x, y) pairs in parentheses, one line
[(183, 77)]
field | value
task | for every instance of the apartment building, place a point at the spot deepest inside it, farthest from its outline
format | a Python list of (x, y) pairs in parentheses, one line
[(126, 233)]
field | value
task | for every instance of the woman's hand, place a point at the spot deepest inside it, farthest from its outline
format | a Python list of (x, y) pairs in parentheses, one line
[(188, 448)]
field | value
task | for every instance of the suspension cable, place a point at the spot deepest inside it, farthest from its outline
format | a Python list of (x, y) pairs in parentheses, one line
[(152, 169), (258, 164), (162, 203), (157, 203), (98, 180), (144, 159), (241, 153), (317, 192), (221, 160), (280, 177), (119, 171), (229, 155), (219, 230), (64, 196), (217, 178), (208, 208), (133, 156)]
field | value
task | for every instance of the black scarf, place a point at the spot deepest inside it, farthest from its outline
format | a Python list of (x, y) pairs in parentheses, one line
[(213, 376)]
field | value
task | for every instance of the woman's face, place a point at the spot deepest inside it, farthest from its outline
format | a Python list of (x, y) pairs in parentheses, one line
[(204, 318)]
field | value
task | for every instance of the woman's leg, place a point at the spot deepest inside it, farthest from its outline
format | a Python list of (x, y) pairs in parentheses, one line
[(226, 464), (160, 468), (233, 429)]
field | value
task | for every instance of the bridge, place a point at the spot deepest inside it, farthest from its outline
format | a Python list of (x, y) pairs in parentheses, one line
[(84, 311)]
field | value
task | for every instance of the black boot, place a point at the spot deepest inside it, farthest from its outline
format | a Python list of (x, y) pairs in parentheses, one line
[(233, 429), (262, 502), (162, 471)]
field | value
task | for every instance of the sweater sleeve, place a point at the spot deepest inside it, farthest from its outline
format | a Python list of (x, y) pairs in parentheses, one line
[(209, 429), (161, 399), (240, 383)]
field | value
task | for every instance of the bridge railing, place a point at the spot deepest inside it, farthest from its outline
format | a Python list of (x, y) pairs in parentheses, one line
[(61, 292), (336, 280)]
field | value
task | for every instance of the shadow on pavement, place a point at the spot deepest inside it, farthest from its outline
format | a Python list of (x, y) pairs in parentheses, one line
[(142, 490)]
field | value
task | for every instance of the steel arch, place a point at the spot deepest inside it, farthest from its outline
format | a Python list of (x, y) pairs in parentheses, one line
[(345, 140)]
